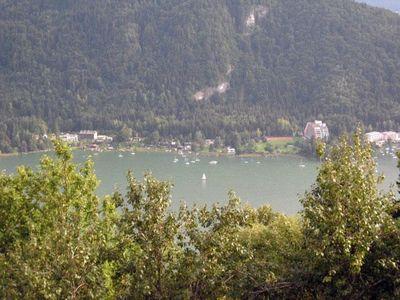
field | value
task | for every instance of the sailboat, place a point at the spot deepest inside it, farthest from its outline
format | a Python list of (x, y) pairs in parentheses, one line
[(204, 177)]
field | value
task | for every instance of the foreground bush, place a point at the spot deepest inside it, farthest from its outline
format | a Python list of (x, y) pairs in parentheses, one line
[(58, 240)]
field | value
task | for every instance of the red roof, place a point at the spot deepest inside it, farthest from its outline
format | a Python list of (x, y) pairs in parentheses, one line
[(279, 138)]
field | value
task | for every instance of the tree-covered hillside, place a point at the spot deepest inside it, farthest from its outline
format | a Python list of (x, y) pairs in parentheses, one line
[(180, 66)]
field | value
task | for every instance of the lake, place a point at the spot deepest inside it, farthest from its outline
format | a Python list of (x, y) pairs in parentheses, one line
[(277, 181)]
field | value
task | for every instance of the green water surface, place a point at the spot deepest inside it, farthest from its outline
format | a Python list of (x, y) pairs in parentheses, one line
[(277, 181)]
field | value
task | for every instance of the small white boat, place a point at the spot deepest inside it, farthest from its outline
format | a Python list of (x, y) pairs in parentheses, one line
[(258, 163), (204, 177), (120, 155), (133, 153), (246, 162), (187, 163), (175, 160), (197, 159), (193, 161), (213, 162)]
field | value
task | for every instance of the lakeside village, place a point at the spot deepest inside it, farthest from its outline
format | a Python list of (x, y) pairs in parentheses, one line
[(91, 140)]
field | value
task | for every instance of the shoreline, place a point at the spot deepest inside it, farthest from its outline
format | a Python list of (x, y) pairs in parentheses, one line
[(3, 155), (207, 154), (161, 150)]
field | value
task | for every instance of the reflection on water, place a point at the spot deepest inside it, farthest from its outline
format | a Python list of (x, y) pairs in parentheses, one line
[(204, 185)]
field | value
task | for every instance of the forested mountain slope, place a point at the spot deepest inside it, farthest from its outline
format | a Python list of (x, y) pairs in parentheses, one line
[(179, 66)]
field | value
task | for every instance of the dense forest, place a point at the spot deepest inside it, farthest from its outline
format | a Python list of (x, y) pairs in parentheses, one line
[(58, 240), (172, 68)]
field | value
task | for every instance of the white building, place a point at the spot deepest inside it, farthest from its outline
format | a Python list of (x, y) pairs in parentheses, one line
[(69, 137), (231, 150), (316, 130), (380, 138), (374, 137), (103, 139), (391, 136), (88, 135), (209, 142)]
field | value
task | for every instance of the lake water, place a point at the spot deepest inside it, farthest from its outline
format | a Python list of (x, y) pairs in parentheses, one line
[(278, 181)]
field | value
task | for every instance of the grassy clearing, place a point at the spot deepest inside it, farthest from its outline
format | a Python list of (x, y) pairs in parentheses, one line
[(278, 146)]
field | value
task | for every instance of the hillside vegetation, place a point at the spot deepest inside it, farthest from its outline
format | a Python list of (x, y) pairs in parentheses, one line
[(273, 65)]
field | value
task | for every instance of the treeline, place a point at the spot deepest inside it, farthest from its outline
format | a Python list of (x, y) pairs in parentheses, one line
[(104, 65), (59, 240)]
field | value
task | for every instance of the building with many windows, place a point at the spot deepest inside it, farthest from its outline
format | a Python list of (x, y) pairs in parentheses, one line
[(316, 130), (69, 137), (88, 135), (380, 138)]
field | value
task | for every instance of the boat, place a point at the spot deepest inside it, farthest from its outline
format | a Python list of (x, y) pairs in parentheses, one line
[(197, 159), (175, 160), (213, 162), (204, 177), (120, 155), (133, 153), (187, 163)]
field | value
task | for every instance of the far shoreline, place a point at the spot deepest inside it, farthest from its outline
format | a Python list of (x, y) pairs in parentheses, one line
[(162, 150), (208, 154), (3, 155)]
